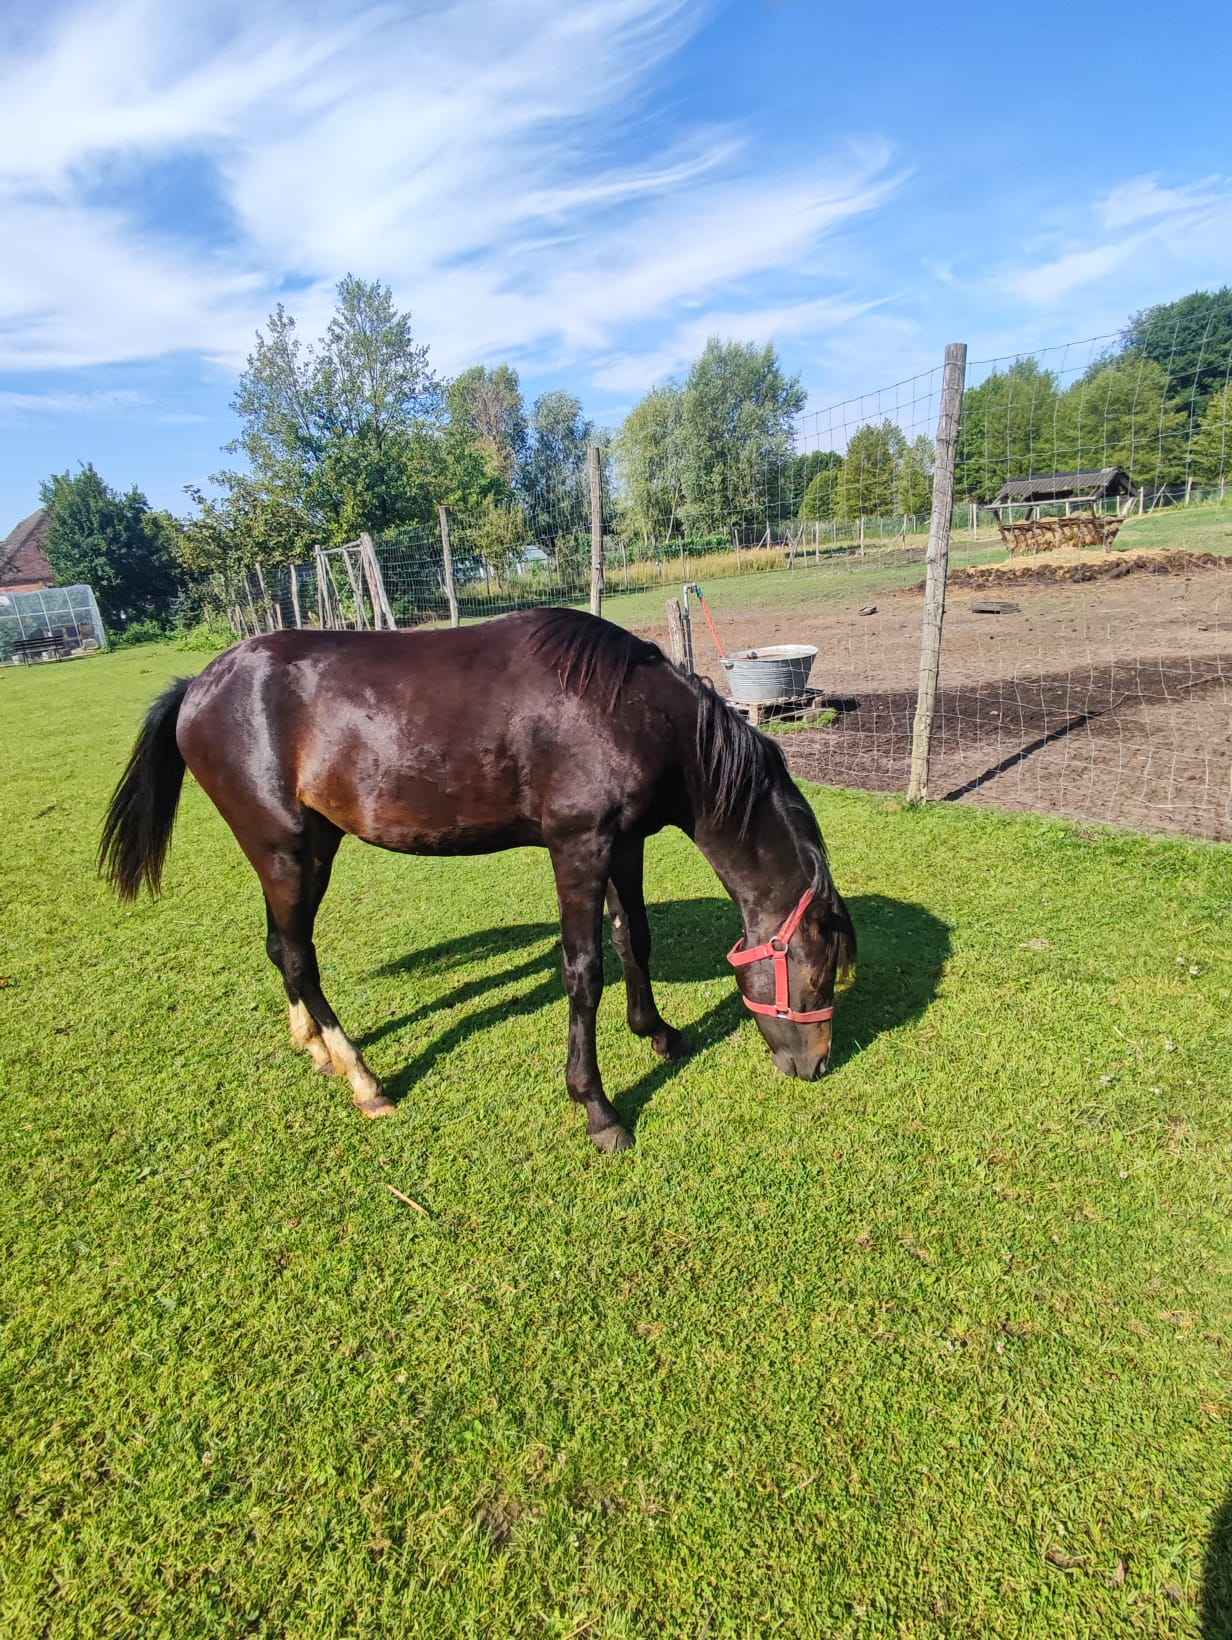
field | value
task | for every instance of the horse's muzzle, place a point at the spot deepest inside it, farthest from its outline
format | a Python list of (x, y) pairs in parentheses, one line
[(808, 1067)]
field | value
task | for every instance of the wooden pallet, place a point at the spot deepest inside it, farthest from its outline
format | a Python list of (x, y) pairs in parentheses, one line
[(758, 712)]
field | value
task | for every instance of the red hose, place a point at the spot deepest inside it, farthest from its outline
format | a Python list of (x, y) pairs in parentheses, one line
[(714, 631)]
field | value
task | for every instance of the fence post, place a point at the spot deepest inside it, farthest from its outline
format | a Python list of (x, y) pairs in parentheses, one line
[(938, 563), (675, 632), (451, 595), (686, 626), (596, 530), (376, 582), (295, 594)]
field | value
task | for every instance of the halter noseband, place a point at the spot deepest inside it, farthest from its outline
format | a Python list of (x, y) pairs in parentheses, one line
[(776, 949)]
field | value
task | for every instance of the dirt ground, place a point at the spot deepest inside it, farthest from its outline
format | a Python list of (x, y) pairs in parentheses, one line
[(1103, 699)]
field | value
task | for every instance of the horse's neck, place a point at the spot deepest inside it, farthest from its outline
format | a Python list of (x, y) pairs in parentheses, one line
[(762, 871)]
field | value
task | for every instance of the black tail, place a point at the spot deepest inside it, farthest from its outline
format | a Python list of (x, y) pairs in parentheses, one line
[(141, 813)]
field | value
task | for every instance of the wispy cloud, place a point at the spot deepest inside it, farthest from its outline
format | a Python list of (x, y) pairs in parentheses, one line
[(469, 153), (67, 404), (1181, 227)]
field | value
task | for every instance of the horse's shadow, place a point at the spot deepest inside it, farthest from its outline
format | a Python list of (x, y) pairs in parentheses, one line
[(1217, 1577), (903, 949)]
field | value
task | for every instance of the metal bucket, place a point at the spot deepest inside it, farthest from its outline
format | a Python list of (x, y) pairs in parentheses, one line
[(779, 671)]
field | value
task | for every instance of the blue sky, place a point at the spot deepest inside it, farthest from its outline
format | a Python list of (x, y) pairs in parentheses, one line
[(587, 190)]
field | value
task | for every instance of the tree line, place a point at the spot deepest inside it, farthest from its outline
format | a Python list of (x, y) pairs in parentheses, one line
[(358, 432)]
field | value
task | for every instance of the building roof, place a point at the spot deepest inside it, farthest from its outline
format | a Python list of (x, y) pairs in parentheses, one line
[(1057, 486), (22, 555)]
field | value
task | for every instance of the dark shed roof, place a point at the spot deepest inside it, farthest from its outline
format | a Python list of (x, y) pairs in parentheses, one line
[(1095, 481), (22, 555)]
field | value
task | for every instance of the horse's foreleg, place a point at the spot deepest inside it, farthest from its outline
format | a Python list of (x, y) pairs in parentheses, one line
[(294, 882), (581, 866), (631, 937)]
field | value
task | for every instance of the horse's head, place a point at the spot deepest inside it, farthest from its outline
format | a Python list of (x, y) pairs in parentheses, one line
[(788, 981)]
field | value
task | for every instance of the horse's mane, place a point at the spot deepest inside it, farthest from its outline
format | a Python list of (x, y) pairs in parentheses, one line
[(738, 764), (587, 653)]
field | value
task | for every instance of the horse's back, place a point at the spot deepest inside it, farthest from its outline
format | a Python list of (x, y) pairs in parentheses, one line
[(452, 741)]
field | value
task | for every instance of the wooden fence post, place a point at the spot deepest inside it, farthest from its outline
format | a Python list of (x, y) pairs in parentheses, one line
[(451, 594), (294, 572), (381, 609), (596, 530), (675, 632), (686, 618), (323, 609), (938, 564)]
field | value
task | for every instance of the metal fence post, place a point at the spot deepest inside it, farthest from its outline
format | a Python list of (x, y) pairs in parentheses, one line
[(938, 563), (451, 595), (596, 530)]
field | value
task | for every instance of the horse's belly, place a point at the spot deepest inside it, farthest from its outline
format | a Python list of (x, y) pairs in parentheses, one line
[(459, 837)]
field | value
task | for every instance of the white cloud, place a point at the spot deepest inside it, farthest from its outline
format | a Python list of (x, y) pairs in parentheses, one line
[(475, 154), (632, 372), (67, 404), (1142, 198), (1185, 230)]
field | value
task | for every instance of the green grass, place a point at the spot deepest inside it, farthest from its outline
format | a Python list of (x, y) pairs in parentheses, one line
[(938, 1346)]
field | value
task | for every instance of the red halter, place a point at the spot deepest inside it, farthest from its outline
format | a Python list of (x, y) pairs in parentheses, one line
[(776, 949)]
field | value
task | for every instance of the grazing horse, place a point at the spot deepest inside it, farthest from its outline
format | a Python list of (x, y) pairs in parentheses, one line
[(547, 727)]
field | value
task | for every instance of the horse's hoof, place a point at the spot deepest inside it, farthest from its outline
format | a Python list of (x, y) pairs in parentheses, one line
[(669, 1043), (611, 1139), (376, 1106)]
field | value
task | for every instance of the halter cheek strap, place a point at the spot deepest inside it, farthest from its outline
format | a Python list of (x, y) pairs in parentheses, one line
[(776, 949)]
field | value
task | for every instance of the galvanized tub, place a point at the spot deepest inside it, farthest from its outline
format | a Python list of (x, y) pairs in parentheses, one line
[(778, 671)]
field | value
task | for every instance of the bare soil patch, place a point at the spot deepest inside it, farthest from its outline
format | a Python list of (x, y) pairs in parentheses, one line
[(1104, 699)]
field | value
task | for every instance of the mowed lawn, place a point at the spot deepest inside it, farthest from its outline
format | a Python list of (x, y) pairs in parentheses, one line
[(938, 1346)]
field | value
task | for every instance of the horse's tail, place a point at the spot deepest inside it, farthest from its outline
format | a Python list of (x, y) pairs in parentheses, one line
[(141, 813)]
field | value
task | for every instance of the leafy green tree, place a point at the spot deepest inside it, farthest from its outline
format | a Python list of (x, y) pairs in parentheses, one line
[(867, 481), (114, 543), (913, 481), (649, 463), (1119, 415), (553, 479), (329, 430), (1191, 342), (820, 497), (1211, 454), (736, 432), (498, 534), (1007, 430), (488, 406)]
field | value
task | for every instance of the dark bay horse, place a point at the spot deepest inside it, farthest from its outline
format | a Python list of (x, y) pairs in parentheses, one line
[(547, 727)]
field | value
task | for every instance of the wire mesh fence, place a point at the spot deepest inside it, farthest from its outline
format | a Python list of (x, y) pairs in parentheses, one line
[(1086, 648)]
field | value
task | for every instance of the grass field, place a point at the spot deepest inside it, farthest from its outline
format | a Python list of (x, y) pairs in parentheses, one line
[(939, 1346)]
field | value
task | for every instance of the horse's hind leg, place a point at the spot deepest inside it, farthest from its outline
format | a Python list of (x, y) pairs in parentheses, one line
[(305, 1032), (294, 879), (631, 937)]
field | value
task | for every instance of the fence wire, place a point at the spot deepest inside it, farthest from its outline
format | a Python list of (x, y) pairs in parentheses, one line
[(1086, 649)]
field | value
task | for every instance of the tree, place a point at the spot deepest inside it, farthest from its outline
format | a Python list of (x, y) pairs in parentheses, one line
[(1119, 415), (913, 482), (821, 494), (1211, 454), (553, 479), (487, 405), (329, 430), (867, 481), (649, 462), (736, 429), (1008, 429), (1191, 342), (498, 534), (114, 543)]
